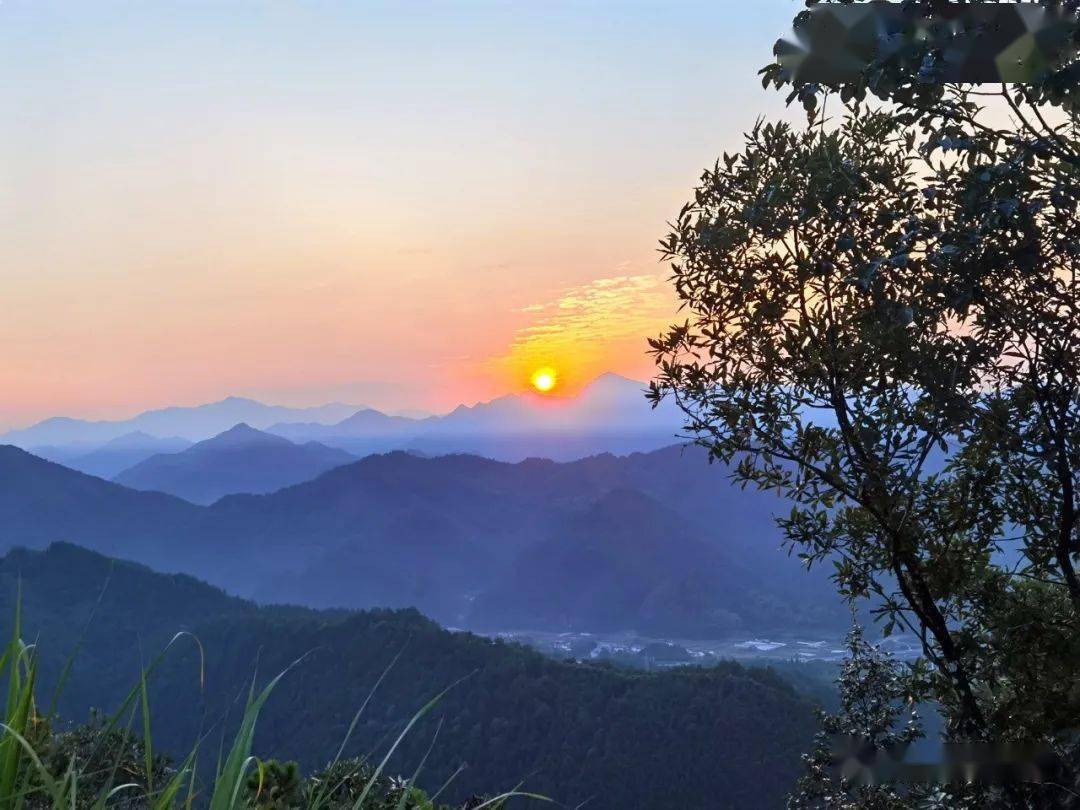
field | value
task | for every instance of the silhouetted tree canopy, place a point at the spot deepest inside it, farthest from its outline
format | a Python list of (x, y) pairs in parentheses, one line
[(883, 324)]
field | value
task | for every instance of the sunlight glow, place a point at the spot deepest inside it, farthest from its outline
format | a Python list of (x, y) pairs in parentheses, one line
[(544, 379)]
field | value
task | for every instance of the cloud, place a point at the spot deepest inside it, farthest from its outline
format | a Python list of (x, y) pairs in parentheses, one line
[(592, 328)]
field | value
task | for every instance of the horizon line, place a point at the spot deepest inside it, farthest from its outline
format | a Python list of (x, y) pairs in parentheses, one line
[(401, 413)]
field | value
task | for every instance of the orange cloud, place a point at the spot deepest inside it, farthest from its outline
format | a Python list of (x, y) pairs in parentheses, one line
[(589, 329)]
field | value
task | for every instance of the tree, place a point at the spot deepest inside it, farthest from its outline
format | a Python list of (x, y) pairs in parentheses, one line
[(874, 697), (883, 325)]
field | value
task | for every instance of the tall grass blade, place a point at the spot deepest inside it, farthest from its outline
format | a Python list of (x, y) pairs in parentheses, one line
[(500, 800), (261, 768), (53, 788), (324, 790), (129, 700), (21, 664), (166, 800), (148, 742), (446, 784), (190, 801), (106, 797), (416, 774), (230, 780), (70, 662), (106, 791), (415, 719)]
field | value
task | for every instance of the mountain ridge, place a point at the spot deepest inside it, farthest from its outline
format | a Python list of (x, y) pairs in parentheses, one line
[(240, 459), (608, 414), (571, 730), (397, 530), (195, 422), (115, 455)]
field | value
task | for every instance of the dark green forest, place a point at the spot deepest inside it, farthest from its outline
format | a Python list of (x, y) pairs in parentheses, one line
[(726, 736)]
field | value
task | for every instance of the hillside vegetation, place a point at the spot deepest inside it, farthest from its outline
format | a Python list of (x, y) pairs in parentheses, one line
[(727, 736)]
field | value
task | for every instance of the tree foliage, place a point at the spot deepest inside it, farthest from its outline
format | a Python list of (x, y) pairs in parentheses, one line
[(874, 698), (884, 325)]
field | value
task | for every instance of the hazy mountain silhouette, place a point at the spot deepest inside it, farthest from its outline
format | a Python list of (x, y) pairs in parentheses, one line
[(610, 403), (194, 423), (114, 456), (42, 502), (626, 562), (506, 508), (241, 459), (608, 415), (399, 530), (364, 432)]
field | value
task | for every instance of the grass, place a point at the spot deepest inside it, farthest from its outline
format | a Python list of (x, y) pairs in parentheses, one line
[(106, 765)]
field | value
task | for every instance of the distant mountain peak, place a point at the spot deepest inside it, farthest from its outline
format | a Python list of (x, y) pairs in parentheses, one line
[(614, 385), (242, 459), (368, 415), (192, 423), (611, 378), (243, 435), (134, 437), (240, 401), (610, 413)]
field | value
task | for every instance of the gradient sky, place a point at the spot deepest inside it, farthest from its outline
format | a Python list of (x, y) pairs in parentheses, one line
[(407, 205)]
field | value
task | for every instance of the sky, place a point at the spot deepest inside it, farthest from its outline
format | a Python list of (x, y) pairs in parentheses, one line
[(399, 204)]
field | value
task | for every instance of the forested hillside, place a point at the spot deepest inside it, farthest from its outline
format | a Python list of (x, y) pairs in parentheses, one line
[(722, 737), (446, 535)]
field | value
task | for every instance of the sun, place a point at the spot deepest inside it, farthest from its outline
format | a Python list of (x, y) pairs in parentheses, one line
[(544, 379)]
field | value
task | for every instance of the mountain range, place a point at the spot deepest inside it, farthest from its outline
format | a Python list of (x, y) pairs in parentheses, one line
[(115, 455), (240, 460), (648, 542), (608, 415), (192, 424), (726, 736), (624, 561)]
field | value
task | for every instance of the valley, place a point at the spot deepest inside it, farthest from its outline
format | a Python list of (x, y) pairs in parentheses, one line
[(647, 652)]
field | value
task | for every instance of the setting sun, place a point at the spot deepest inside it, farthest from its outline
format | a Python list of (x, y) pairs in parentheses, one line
[(544, 379)]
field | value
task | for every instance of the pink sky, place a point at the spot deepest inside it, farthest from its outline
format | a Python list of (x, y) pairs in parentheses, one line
[(303, 202)]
